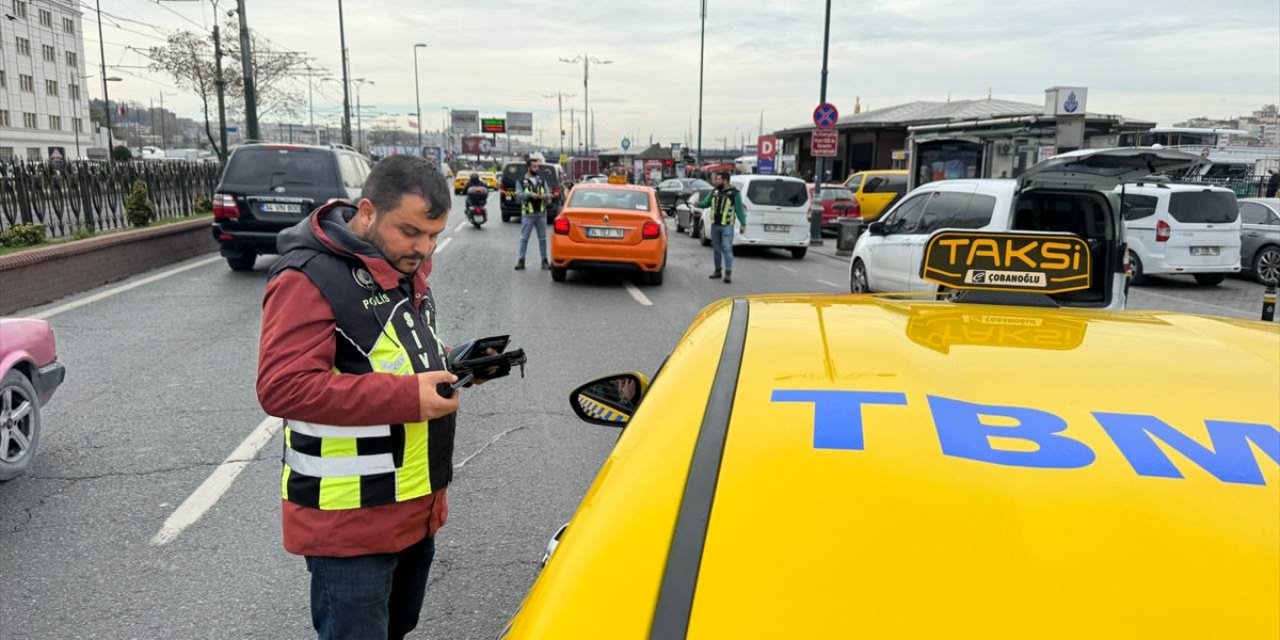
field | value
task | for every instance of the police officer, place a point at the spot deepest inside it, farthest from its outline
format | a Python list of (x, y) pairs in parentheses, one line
[(531, 193), (726, 207), (350, 359)]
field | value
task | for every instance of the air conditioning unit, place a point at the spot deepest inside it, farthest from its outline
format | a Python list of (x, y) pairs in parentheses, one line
[(1004, 149)]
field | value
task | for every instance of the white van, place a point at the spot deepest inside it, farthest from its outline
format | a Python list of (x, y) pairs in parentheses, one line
[(777, 209), (1181, 229), (1071, 193)]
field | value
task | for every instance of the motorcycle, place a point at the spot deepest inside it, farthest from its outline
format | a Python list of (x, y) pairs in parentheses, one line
[(477, 212)]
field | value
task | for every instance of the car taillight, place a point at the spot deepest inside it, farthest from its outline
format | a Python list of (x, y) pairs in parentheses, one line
[(562, 226), (854, 210), (555, 192), (224, 207), (1163, 231), (650, 230)]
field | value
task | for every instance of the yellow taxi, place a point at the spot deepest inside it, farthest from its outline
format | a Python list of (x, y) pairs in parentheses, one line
[(490, 179), (460, 182), (876, 190), (986, 466)]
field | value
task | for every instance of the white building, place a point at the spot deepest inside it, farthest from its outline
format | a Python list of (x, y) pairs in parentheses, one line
[(44, 94)]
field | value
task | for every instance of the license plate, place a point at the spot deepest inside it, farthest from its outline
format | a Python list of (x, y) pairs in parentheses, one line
[(777, 228), (604, 232), (276, 207), (1205, 251)]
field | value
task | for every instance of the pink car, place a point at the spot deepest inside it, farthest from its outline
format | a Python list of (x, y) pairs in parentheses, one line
[(29, 374)]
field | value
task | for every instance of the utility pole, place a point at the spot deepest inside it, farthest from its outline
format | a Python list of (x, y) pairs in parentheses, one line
[(246, 64), (222, 87), (417, 92), (815, 224), (346, 84), (701, 57), (360, 82), (572, 119), (106, 99), (559, 96), (164, 139)]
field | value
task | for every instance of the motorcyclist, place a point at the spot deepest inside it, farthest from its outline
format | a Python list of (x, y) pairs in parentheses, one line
[(477, 192)]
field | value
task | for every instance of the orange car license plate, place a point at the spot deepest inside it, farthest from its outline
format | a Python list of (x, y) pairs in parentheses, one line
[(605, 232)]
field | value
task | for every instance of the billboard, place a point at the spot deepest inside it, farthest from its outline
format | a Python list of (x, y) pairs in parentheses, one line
[(519, 123), (493, 125), (465, 122)]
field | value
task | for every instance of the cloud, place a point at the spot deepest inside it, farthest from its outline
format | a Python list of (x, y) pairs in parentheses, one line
[(1162, 61)]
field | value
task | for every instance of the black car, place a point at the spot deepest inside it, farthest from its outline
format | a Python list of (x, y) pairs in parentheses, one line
[(677, 190), (267, 188), (513, 173)]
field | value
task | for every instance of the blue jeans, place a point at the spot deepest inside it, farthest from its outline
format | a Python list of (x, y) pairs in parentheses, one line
[(374, 597), (527, 225), (722, 245)]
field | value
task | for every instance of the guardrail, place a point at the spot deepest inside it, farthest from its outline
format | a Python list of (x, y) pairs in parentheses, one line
[(68, 197)]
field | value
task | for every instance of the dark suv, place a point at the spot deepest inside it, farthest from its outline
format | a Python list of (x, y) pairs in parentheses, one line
[(512, 173), (267, 188)]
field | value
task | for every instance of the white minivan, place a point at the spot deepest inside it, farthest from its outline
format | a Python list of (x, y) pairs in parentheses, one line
[(1071, 193), (1181, 229), (777, 209)]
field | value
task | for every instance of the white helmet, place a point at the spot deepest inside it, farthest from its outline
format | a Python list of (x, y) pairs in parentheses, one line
[(535, 156)]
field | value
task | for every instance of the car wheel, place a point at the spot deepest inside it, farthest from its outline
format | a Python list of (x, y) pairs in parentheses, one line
[(558, 274), (655, 279), (19, 424), (1210, 279), (1135, 269), (243, 262), (858, 278), (1266, 265), (706, 240), (506, 217), (679, 227), (799, 252)]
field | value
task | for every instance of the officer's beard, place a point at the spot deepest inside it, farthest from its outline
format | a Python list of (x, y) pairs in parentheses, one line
[(404, 264)]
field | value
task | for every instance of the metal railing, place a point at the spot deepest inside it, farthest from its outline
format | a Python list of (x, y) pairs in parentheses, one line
[(72, 196)]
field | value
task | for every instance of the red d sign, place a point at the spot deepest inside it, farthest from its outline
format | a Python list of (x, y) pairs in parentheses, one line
[(767, 146)]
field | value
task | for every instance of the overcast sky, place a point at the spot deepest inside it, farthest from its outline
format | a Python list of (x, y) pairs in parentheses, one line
[(1162, 61)]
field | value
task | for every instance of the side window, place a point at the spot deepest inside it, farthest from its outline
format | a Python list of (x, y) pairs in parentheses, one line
[(905, 218), (855, 183), (875, 184), (1273, 219), (1251, 213), (946, 210), (896, 183), (350, 174), (670, 184), (1138, 207)]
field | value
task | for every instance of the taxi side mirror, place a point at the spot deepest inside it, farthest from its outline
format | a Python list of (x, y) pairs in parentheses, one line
[(610, 401), (876, 229)]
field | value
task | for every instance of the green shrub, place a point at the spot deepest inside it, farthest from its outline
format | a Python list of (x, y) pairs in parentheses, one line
[(82, 234), (203, 206), (23, 235), (121, 154), (137, 207)]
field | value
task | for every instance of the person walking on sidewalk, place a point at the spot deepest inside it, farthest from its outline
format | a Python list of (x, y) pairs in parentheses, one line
[(531, 193), (726, 208)]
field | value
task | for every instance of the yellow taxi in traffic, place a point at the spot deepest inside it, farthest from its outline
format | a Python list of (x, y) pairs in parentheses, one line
[(460, 182), (490, 179), (876, 190), (989, 466)]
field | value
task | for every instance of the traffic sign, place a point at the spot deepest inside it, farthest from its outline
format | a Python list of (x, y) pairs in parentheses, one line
[(826, 115), (766, 147), (626, 144), (766, 166), (824, 144), (493, 125)]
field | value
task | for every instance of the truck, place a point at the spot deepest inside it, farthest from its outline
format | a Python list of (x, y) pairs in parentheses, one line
[(579, 168)]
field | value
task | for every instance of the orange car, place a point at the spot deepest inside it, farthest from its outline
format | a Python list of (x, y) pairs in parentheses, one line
[(610, 226)]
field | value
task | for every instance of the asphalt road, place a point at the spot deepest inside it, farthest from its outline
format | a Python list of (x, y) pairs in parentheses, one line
[(160, 393)]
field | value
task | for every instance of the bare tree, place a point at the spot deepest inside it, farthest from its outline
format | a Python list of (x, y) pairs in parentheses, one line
[(187, 57)]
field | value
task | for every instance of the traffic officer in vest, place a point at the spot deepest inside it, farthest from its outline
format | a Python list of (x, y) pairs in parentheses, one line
[(531, 193), (350, 360), (726, 207)]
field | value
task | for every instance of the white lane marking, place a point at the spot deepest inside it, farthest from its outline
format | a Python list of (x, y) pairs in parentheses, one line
[(461, 225), (638, 295), (443, 245), (787, 268), (208, 493), (830, 284), (75, 304), (1208, 305)]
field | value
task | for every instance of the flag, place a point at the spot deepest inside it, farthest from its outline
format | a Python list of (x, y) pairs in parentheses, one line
[(123, 111), (413, 124)]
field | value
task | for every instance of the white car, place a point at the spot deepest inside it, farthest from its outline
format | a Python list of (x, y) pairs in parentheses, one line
[(777, 210), (1071, 193), (1181, 229)]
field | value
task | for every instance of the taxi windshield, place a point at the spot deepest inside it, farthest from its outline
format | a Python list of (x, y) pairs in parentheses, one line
[(610, 199)]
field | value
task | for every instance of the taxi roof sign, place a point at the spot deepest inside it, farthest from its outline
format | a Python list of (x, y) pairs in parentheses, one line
[(1014, 262)]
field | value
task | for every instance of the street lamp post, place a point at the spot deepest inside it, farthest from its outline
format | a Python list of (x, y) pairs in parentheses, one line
[(448, 138), (416, 92), (560, 111), (360, 82), (346, 83), (701, 52), (586, 61)]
